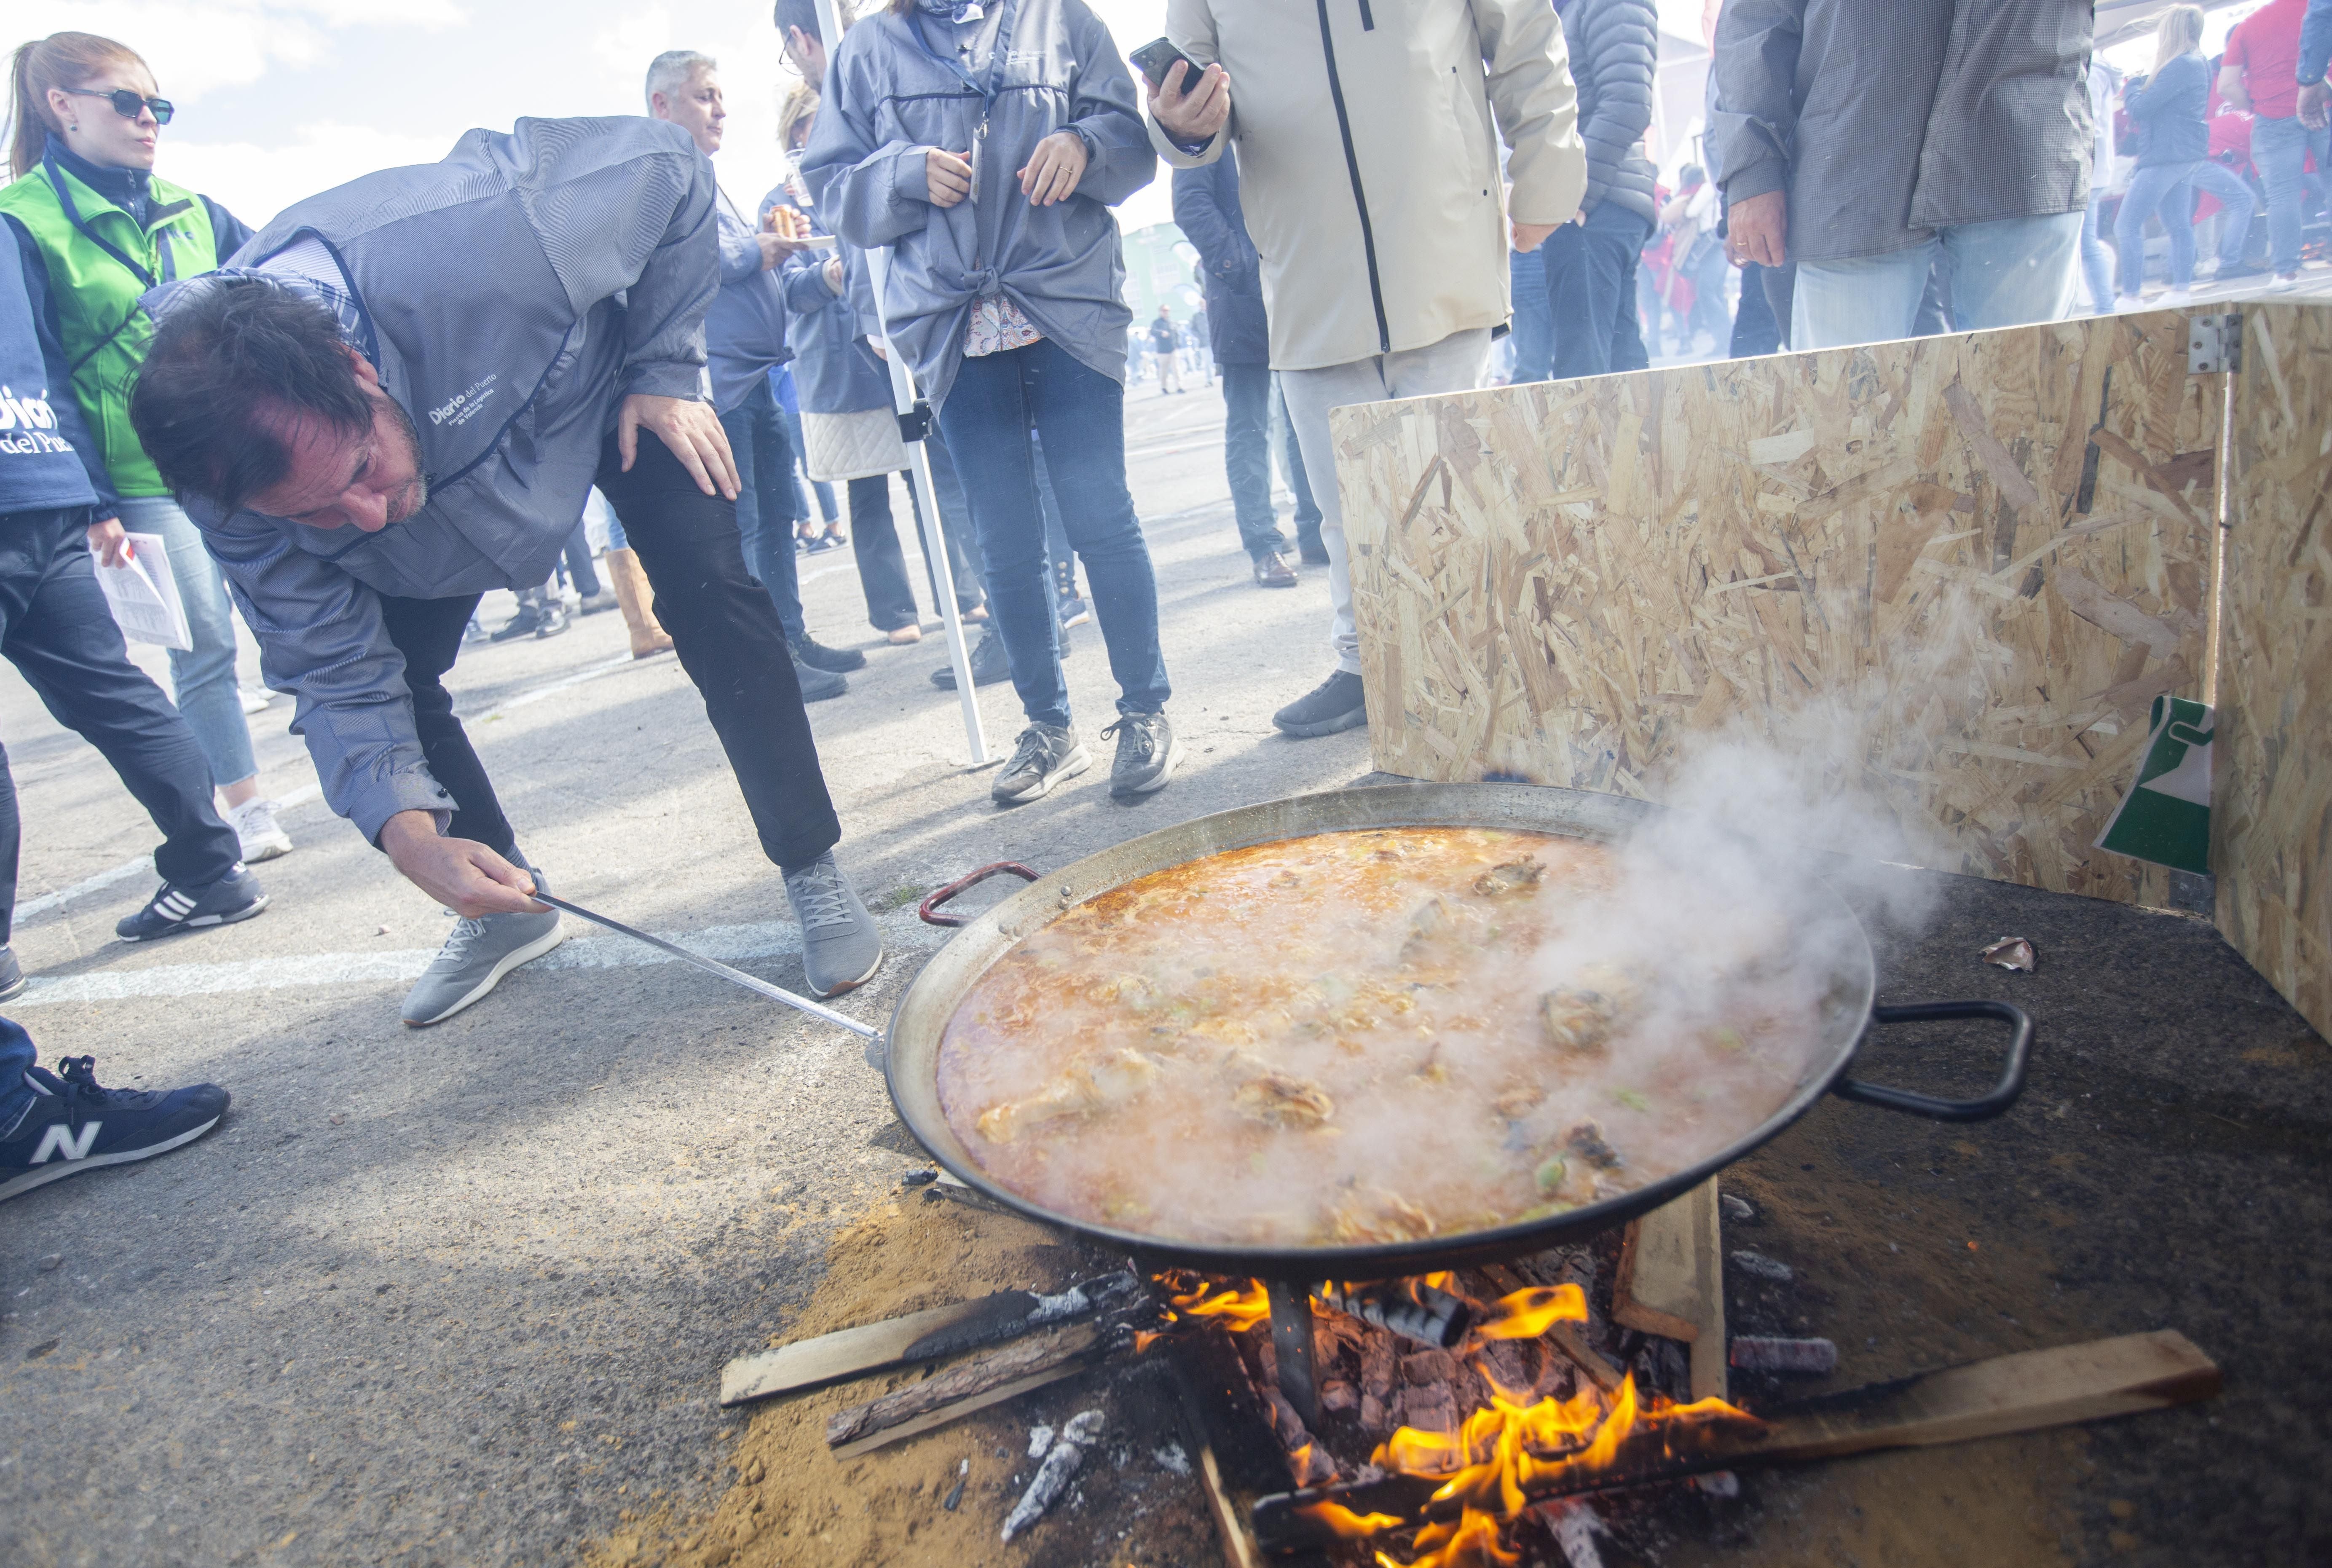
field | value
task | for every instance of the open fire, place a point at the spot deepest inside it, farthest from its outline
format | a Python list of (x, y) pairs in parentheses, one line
[(1453, 1486)]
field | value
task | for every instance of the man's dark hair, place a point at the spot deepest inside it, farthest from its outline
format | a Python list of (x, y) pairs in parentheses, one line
[(801, 13), (227, 363)]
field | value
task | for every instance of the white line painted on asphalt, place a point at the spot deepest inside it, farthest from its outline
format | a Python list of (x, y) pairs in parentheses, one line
[(730, 944)]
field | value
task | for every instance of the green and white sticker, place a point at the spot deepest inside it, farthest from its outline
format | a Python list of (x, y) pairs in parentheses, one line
[(2165, 817)]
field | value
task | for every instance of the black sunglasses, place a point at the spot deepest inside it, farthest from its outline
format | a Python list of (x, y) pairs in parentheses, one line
[(126, 103)]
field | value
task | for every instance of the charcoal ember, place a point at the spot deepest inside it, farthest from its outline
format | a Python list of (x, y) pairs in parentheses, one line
[(1285, 1424), (1507, 1364), (1429, 1407), (1317, 1469), (1378, 1365), (1376, 1418), (1429, 1366), (1336, 1394)]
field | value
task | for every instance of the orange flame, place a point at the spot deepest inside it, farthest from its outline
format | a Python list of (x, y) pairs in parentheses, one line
[(1528, 1313), (1240, 1306), (1509, 1449), (1347, 1525)]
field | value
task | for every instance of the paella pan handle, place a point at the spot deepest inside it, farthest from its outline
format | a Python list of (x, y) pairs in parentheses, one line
[(930, 908), (2003, 1094)]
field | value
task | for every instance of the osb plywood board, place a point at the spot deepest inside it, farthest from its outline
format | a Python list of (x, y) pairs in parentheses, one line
[(1968, 563), (2271, 811)]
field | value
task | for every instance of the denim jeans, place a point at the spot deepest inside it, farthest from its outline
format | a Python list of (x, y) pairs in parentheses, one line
[(1755, 329), (202, 678), (1452, 365), (883, 564), (2168, 189), (55, 629), (580, 570), (1533, 325), (2280, 149), (1080, 413), (1290, 464), (1591, 291), (765, 497), (818, 487), (2004, 273), (16, 1054), (2096, 260), (1247, 457)]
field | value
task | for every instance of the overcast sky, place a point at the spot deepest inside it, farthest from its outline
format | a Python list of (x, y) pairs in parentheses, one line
[(277, 99)]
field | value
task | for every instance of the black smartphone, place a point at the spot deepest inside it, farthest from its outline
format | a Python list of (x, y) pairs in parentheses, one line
[(1157, 57)]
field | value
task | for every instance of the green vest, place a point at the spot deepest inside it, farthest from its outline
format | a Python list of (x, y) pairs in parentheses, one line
[(99, 264)]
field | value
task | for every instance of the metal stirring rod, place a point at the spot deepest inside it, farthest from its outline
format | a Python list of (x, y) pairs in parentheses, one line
[(713, 966)]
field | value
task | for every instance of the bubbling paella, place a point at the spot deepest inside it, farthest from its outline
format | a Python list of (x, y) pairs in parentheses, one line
[(1378, 1036)]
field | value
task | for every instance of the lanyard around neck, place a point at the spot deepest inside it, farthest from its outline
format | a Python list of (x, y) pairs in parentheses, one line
[(998, 55)]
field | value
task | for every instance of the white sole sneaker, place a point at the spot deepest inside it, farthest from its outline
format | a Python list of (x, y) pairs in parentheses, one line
[(1075, 763), (508, 962), (62, 1168)]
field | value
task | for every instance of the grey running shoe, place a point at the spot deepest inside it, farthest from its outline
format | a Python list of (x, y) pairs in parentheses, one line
[(1336, 704), (474, 958), (841, 949), (1147, 754), (1046, 755), (816, 685)]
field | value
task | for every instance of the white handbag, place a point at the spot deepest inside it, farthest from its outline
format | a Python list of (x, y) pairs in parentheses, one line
[(860, 446)]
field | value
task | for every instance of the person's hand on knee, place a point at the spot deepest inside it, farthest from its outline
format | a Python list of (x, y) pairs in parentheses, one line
[(691, 429), (461, 873)]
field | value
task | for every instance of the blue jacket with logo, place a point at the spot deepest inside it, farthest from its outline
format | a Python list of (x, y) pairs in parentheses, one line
[(48, 458)]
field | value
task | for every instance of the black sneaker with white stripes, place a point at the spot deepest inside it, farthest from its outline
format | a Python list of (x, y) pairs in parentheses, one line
[(74, 1123), (234, 896)]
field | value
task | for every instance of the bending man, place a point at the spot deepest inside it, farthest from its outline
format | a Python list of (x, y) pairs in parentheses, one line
[(397, 399)]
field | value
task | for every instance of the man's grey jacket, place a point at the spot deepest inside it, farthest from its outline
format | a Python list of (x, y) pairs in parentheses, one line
[(1888, 119), (510, 297)]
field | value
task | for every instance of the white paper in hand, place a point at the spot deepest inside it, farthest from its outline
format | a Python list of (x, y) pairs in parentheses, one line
[(144, 595)]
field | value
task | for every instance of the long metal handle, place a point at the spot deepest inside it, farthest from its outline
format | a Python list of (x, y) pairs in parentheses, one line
[(713, 966), (2004, 1095)]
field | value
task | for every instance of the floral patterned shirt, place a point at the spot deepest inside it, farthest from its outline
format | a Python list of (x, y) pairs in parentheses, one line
[(997, 324)]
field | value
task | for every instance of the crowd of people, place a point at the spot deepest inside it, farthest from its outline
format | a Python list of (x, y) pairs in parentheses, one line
[(438, 380)]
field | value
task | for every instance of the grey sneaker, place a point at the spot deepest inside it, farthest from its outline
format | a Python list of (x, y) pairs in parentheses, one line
[(474, 958), (1045, 755), (841, 949), (1147, 754), (1336, 703)]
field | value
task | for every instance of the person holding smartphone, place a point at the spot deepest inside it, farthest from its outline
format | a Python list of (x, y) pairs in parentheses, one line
[(1367, 157), (984, 142)]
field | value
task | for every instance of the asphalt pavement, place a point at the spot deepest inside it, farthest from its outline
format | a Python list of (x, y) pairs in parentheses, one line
[(462, 1295)]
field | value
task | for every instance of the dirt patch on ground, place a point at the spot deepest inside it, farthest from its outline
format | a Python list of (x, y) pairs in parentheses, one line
[(792, 1502)]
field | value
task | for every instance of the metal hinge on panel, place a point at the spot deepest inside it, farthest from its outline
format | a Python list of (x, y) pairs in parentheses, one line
[(2214, 344)]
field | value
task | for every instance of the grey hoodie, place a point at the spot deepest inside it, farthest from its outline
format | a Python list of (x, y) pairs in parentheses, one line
[(888, 103), (510, 297)]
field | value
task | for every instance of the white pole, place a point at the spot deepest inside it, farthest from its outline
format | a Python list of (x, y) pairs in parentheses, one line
[(919, 471)]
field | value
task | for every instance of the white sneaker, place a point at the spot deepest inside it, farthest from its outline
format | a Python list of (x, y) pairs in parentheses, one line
[(262, 836), (255, 699), (2174, 299), (2285, 281)]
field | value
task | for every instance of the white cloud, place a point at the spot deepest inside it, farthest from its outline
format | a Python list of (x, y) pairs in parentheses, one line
[(197, 50)]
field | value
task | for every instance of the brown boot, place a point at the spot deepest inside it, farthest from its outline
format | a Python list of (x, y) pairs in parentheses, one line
[(633, 596)]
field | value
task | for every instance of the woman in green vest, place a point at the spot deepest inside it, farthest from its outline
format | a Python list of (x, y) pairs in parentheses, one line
[(86, 211)]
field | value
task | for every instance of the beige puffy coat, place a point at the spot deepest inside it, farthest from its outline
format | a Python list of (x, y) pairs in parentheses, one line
[(1368, 157)]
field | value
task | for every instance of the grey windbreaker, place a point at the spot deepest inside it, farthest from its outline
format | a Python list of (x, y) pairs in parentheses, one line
[(887, 103), (745, 329), (485, 289)]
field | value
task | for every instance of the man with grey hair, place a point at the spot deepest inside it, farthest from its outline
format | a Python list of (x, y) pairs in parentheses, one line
[(745, 340)]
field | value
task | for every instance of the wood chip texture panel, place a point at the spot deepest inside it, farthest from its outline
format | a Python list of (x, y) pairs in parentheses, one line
[(2271, 807), (1958, 568)]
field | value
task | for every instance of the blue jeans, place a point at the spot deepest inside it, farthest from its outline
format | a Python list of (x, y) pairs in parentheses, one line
[(766, 500), (1080, 413), (202, 678), (2280, 149), (2164, 187), (1533, 325), (1246, 455), (16, 1054), (818, 487), (1590, 293), (2096, 260), (2004, 273)]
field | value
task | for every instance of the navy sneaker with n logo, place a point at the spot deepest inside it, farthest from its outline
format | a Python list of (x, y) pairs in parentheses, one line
[(74, 1123), (236, 896)]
